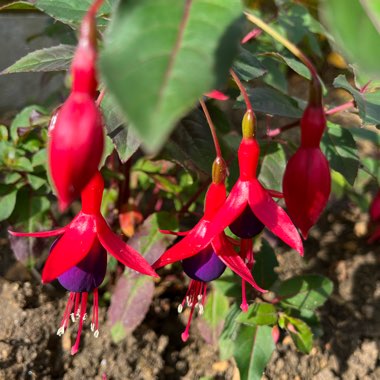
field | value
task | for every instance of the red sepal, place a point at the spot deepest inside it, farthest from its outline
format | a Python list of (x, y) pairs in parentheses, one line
[(42, 234), (71, 248), (218, 95), (228, 255), (176, 233), (197, 239), (120, 250), (273, 216)]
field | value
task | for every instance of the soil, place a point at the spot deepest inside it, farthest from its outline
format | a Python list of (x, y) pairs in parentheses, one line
[(349, 349)]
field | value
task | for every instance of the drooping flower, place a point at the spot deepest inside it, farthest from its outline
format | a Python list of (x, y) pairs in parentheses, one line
[(76, 136), (193, 241), (307, 180), (205, 263), (247, 192), (78, 257)]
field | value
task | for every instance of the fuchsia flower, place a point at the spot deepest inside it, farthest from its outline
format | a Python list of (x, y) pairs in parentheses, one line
[(76, 136), (206, 262), (307, 180), (78, 257), (247, 199)]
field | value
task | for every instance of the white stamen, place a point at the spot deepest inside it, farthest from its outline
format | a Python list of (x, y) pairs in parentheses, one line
[(199, 297), (85, 316), (72, 317), (180, 308), (61, 331), (96, 333), (92, 327), (200, 312), (189, 304)]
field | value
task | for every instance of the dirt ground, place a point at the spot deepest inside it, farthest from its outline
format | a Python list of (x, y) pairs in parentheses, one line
[(349, 348)]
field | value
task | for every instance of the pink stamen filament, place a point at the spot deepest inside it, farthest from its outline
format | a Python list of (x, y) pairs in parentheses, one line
[(82, 313), (246, 252), (66, 315), (195, 296)]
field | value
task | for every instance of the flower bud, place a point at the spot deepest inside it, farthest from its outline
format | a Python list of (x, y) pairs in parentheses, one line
[(313, 124), (75, 146), (306, 186)]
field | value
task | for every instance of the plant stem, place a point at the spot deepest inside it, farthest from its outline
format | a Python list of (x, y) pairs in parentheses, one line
[(212, 129), (284, 41), (95, 7), (242, 90), (100, 97), (340, 108)]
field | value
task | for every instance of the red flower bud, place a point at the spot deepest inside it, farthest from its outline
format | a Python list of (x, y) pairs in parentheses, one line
[(76, 137), (306, 187), (76, 141), (313, 124)]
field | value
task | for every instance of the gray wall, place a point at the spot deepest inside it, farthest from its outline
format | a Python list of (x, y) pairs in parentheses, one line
[(18, 90)]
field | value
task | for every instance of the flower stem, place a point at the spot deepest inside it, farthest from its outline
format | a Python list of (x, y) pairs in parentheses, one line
[(284, 41), (212, 129), (100, 97), (95, 7), (242, 90)]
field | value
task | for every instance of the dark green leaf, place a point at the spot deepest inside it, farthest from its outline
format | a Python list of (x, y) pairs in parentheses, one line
[(71, 12), (305, 292), (247, 66), (341, 151), (265, 261), (253, 348), (354, 33), (272, 168), (190, 145), (123, 137), (55, 58), (171, 51), (292, 62), (259, 314), (273, 102)]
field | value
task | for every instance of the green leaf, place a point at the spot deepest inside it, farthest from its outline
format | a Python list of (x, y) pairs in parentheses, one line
[(259, 314), (18, 5), (71, 12), (212, 321), (354, 32), (300, 333), (171, 51), (305, 292), (35, 181), (190, 145), (55, 58), (7, 201), (216, 308), (273, 167), (263, 270), (25, 119), (273, 102), (368, 103), (226, 346), (253, 347), (247, 66), (123, 137), (292, 62), (341, 151)]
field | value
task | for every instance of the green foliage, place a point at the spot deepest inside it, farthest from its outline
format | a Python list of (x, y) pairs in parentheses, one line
[(187, 57)]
